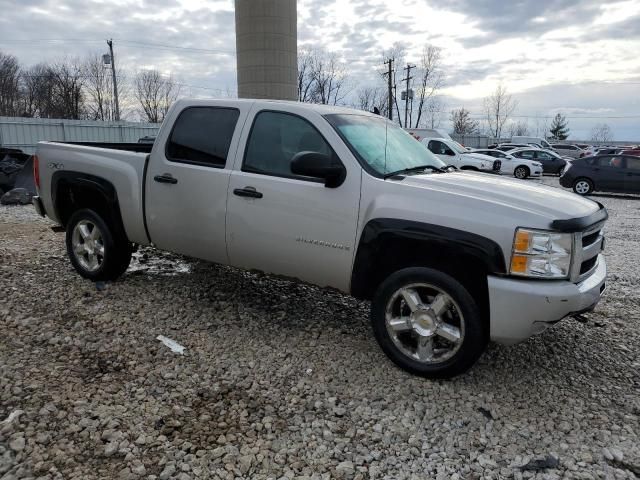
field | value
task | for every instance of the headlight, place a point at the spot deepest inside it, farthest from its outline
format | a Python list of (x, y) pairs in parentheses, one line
[(541, 254)]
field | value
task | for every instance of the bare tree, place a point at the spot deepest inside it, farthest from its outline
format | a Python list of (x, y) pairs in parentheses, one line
[(518, 128), (430, 77), (601, 133), (462, 122), (433, 112), (155, 94), (329, 77), (54, 90), (369, 98), (9, 85), (99, 89), (498, 106), (305, 77), (37, 90)]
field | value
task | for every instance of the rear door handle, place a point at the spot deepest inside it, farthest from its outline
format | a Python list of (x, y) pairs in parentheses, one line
[(247, 192), (166, 178)]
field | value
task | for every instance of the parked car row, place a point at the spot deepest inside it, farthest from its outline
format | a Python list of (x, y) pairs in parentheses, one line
[(550, 161)]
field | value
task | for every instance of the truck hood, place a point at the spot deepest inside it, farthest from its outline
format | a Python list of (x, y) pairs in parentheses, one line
[(552, 203)]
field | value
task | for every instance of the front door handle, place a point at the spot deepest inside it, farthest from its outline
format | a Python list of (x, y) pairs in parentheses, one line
[(166, 178), (247, 192)]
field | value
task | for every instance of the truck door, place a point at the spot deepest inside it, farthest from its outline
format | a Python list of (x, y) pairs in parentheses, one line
[(285, 224), (187, 181), (444, 153)]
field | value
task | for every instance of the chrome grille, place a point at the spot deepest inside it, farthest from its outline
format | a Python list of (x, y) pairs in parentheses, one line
[(588, 245)]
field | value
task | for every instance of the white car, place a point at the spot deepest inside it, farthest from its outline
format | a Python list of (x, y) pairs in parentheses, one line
[(518, 167), (452, 153)]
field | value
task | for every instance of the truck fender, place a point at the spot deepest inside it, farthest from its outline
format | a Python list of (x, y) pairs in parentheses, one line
[(71, 190), (387, 245)]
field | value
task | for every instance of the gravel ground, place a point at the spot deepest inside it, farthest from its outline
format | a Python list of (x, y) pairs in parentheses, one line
[(285, 380)]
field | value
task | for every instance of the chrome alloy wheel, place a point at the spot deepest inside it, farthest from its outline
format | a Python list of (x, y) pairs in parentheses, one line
[(88, 245), (583, 187), (425, 323)]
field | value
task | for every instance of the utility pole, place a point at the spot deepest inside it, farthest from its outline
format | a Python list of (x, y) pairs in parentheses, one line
[(406, 93), (389, 75), (115, 82)]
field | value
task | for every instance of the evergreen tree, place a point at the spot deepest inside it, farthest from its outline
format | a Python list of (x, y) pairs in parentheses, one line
[(559, 129)]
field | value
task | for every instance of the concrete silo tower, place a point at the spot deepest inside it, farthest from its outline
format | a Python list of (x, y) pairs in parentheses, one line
[(266, 49)]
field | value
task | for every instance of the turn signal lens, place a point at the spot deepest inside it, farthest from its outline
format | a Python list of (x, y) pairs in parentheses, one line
[(518, 264), (522, 241)]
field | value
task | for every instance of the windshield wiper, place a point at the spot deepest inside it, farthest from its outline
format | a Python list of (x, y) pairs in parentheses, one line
[(419, 168)]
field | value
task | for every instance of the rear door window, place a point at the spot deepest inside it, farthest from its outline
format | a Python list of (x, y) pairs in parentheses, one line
[(526, 154), (633, 163), (202, 136), (544, 156)]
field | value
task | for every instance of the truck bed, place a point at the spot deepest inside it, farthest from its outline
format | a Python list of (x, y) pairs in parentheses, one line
[(121, 167)]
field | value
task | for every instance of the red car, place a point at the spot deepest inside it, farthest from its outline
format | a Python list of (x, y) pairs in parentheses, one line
[(635, 151)]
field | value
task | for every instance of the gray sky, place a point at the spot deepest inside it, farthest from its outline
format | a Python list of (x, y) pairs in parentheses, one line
[(578, 57)]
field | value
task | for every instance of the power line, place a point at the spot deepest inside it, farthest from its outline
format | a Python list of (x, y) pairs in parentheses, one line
[(161, 46), (140, 44)]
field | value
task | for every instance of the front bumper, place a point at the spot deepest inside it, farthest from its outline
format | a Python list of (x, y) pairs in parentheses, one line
[(522, 308)]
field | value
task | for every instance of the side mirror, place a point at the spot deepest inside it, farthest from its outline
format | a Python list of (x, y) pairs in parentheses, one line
[(318, 165)]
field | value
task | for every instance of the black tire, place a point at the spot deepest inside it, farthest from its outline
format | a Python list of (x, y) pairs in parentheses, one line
[(582, 186), (521, 172), (116, 248), (471, 169), (475, 333)]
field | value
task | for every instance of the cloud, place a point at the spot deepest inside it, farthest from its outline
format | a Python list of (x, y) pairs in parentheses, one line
[(536, 48)]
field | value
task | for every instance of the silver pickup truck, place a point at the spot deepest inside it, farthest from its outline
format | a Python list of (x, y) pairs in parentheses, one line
[(337, 198)]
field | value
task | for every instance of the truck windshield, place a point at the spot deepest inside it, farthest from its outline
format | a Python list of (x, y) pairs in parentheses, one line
[(457, 147), (381, 144)]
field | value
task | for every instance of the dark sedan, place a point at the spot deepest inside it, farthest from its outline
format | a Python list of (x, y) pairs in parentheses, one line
[(551, 161), (606, 173)]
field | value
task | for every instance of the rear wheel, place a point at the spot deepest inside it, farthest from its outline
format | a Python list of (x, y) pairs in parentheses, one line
[(428, 323), (583, 186), (521, 172), (96, 250)]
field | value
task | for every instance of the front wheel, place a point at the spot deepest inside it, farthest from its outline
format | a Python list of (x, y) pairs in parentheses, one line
[(96, 250), (428, 323), (521, 172)]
